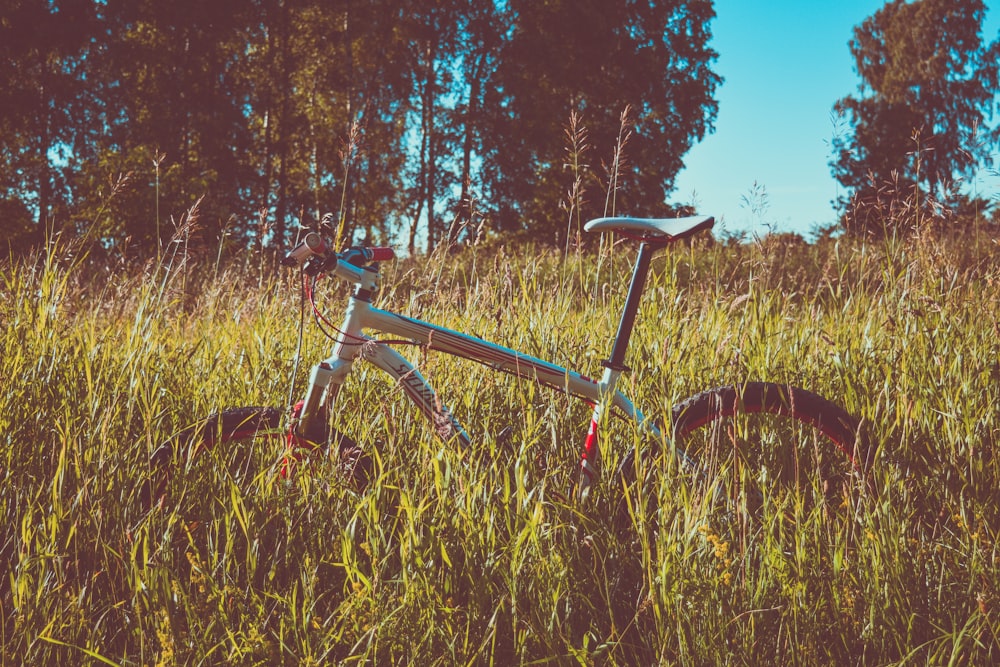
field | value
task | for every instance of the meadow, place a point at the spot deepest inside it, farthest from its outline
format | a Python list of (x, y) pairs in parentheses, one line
[(479, 557)]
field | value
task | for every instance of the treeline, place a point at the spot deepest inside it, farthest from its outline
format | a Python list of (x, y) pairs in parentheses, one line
[(411, 121), (917, 131)]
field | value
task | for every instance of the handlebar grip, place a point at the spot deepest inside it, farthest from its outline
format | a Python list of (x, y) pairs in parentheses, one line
[(382, 254), (312, 244)]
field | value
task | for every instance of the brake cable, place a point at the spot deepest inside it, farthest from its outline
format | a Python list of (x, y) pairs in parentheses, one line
[(298, 344)]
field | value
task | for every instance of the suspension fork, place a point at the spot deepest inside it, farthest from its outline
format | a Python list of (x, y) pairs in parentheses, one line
[(328, 376), (614, 366)]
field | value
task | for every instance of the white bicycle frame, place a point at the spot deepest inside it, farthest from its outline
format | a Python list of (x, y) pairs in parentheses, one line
[(353, 343)]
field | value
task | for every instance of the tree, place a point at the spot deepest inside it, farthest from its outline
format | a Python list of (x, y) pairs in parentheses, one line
[(479, 49), (432, 34), (116, 116), (596, 58), (172, 119), (44, 111), (929, 84), (342, 120)]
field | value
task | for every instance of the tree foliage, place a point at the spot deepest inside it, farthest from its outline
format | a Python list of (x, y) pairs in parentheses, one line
[(597, 58), (919, 122), (407, 121), (43, 89)]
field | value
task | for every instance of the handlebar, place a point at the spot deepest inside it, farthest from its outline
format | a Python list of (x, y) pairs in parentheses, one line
[(315, 246)]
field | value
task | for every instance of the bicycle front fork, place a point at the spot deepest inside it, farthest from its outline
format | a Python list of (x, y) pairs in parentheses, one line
[(324, 383)]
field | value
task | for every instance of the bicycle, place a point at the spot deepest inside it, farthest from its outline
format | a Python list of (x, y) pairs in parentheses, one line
[(788, 413)]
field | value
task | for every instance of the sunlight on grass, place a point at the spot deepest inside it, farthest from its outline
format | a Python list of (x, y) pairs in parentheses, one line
[(469, 557)]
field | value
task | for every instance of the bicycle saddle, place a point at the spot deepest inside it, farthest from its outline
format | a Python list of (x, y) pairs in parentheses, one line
[(652, 229)]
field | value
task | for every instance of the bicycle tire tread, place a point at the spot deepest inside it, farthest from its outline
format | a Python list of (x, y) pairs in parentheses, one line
[(839, 426)]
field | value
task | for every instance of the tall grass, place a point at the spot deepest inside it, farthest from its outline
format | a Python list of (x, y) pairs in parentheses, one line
[(478, 557)]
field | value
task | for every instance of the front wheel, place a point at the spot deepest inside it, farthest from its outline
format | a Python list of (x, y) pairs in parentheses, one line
[(241, 438)]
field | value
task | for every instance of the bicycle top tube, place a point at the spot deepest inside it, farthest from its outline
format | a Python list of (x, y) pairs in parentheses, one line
[(315, 255)]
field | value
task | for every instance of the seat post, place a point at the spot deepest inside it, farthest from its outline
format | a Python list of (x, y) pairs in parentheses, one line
[(617, 359)]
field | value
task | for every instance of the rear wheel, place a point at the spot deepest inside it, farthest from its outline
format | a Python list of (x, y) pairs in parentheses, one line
[(764, 473), (761, 441)]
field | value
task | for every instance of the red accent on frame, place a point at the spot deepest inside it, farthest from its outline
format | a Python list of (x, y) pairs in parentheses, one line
[(294, 444), (590, 445)]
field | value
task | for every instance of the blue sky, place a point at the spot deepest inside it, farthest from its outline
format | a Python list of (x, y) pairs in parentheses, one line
[(785, 63)]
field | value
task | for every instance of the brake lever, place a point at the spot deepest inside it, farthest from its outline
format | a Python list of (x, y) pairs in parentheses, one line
[(318, 264)]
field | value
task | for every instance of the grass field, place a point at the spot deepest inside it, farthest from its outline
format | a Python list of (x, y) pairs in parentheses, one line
[(477, 557)]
